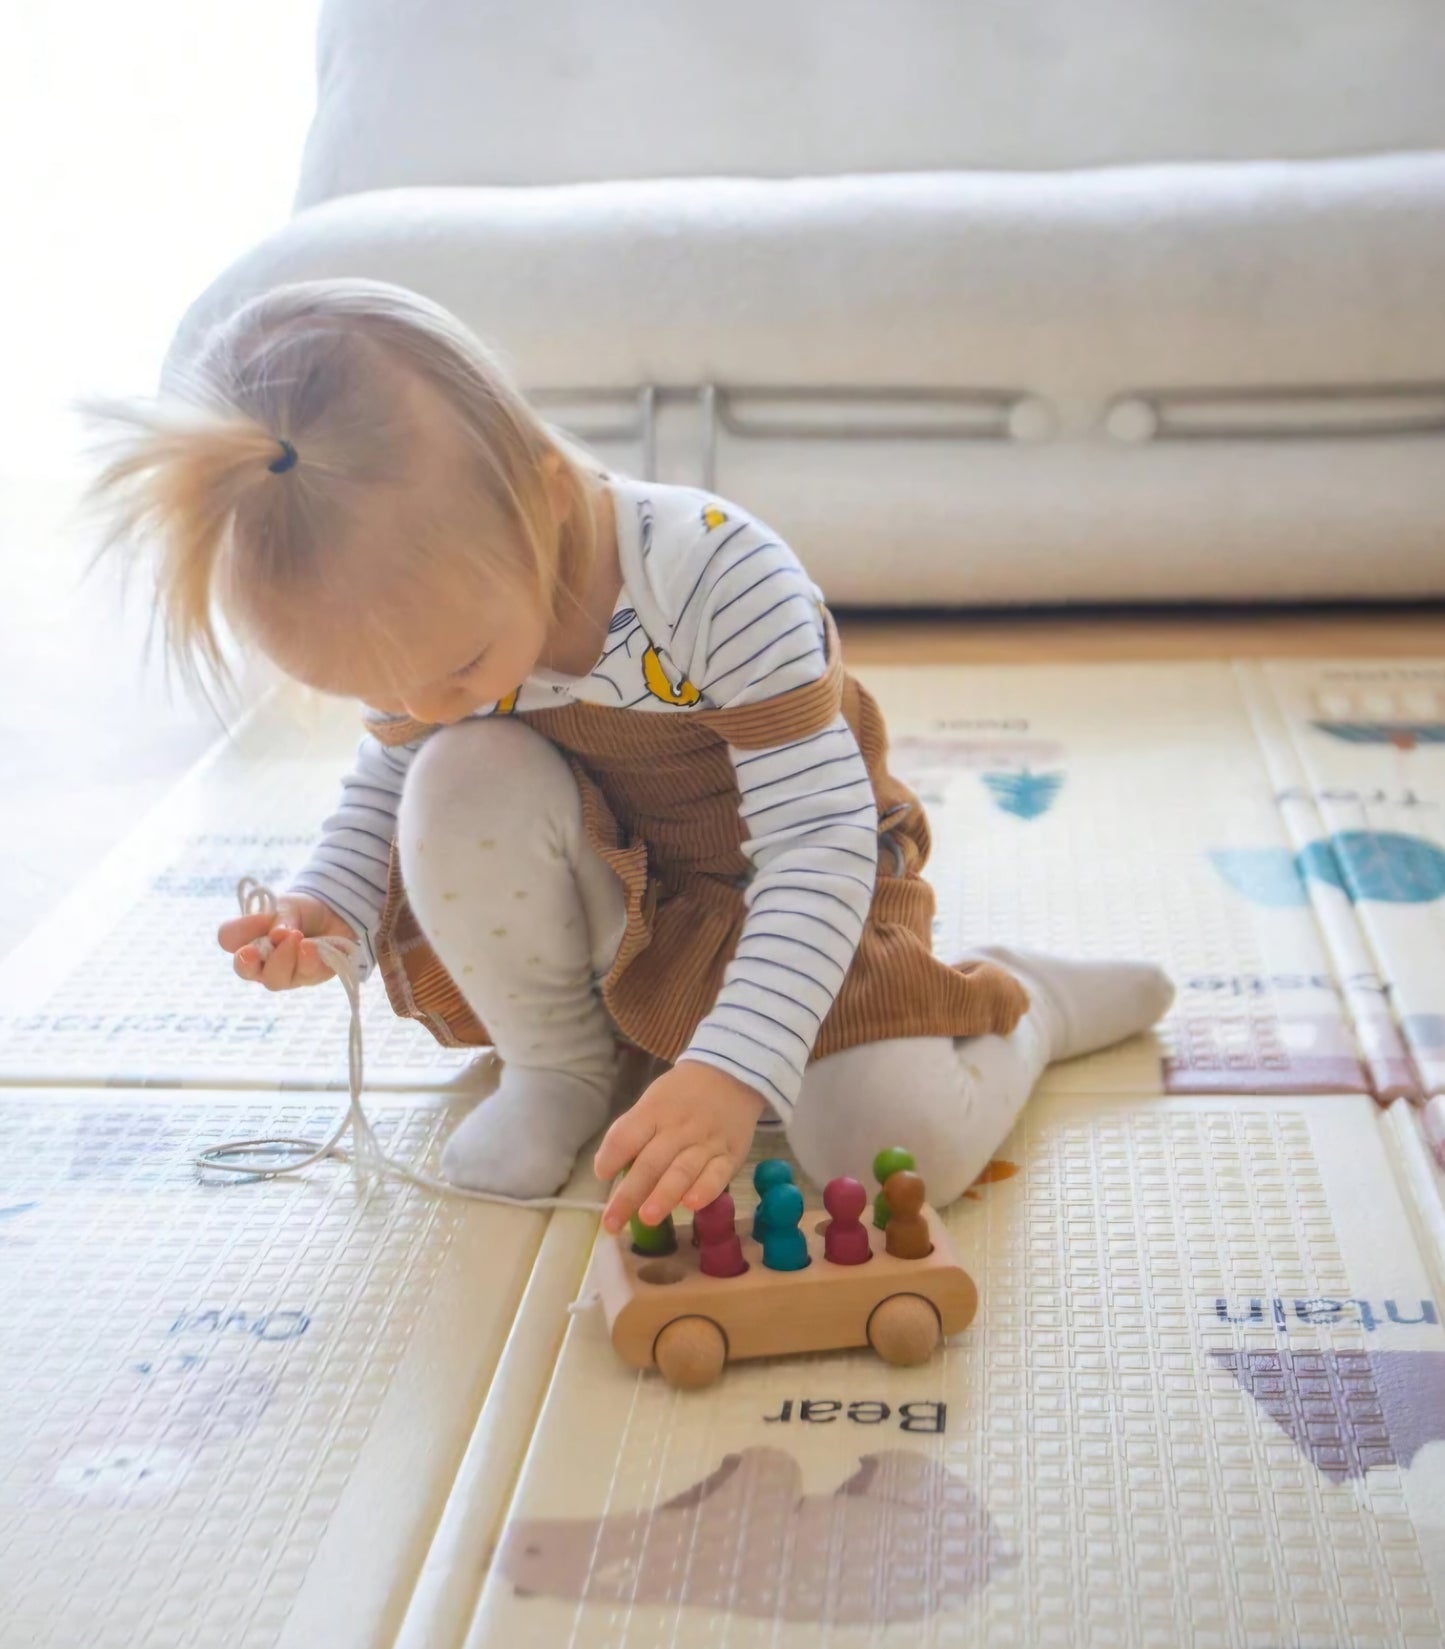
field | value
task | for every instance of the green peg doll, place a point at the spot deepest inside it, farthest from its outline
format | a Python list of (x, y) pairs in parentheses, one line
[(653, 1239), (885, 1163)]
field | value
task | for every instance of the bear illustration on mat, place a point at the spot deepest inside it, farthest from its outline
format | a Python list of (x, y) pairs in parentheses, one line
[(901, 1539)]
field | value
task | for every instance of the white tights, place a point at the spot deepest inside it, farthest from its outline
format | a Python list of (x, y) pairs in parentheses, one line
[(527, 920)]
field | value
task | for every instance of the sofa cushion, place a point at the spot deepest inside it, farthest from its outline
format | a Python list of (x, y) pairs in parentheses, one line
[(1210, 382), (1073, 287), (512, 91)]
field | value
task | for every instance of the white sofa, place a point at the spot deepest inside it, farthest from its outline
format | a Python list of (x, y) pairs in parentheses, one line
[(979, 304)]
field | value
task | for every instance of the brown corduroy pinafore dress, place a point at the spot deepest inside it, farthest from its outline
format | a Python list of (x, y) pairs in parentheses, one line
[(660, 806)]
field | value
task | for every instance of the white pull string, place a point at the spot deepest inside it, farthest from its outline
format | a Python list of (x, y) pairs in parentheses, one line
[(369, 1162)]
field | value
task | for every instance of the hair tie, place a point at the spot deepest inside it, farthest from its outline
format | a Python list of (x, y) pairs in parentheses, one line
[(286, 461)]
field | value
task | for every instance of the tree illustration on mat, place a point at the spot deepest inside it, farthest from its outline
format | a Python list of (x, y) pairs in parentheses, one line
[(1382, 866), (1026, 795)]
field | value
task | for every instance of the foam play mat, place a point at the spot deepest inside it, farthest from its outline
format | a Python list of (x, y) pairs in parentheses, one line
[(125, 983), (232, 1413), (1128, 810), (1099, 810), (1202, 1401)]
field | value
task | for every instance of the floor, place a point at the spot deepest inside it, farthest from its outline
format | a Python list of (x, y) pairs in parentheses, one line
[(89, 738), (1110, 635)]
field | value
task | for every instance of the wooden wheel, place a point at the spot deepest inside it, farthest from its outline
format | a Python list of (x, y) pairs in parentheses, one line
[(904, 1329), (690, 1352)]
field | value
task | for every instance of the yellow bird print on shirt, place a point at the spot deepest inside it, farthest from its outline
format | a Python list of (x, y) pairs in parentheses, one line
[(713, 517), (506, 706), (660, 687)]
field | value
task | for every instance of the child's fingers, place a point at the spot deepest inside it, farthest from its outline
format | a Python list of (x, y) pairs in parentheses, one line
[(636, 1184), (710, 1184), (676, 1179), (310, 969), (288, 915), (622, 1143), (279, 972), (243, 930), (258, 962)]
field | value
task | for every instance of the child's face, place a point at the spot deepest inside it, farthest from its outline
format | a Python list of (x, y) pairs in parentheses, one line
[(451, 661), (437, 661), (459, 661)]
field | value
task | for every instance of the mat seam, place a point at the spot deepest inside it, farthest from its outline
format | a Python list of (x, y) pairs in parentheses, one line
[(1255, 686), (420, 1626)]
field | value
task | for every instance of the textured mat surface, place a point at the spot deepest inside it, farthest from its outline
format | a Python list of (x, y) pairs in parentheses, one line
[(1203, 1402), (126, 985), (232, 1414), (1100, 810), (1126, 810)]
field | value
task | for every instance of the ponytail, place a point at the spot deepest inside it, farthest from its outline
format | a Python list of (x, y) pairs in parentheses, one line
[(175, 475)]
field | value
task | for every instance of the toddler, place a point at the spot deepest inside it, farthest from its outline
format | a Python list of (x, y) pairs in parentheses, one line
[(617, 787)]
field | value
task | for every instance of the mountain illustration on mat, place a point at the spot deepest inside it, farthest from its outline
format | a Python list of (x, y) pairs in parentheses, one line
[(1026, 795), (901, 1539), (1347, 1411), (1380, 865)]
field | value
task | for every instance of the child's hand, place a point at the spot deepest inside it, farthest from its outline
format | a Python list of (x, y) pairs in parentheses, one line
[(685, 1138), (298, 920)]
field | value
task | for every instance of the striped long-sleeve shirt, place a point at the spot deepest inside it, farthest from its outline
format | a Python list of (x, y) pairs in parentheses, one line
[(715, 611)]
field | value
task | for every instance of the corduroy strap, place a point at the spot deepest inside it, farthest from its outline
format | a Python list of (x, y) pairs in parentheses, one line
[(790, 716)]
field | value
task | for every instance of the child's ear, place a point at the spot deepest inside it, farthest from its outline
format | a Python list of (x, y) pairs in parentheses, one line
[(561, 487)]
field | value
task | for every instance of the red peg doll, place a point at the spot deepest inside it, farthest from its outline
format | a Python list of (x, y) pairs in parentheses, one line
[(720, 1249), (845, 1238)]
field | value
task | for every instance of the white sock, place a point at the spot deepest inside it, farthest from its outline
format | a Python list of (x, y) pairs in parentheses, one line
[(1085, 1006), (952, 1101), (523, 1140)]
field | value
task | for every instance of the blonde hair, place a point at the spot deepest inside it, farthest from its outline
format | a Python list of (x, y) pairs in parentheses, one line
[(272, 453)]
